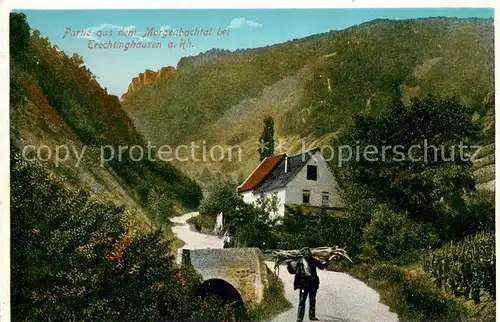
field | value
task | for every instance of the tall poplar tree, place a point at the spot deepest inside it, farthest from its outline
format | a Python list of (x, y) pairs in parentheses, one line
[(266, 143)]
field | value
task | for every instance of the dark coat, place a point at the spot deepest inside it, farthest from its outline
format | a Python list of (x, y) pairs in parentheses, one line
[(302, 281)]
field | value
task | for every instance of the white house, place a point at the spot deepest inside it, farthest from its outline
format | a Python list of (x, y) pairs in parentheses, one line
[(300, 179)]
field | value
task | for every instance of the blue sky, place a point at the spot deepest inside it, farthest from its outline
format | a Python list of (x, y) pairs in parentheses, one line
[(247, 29)]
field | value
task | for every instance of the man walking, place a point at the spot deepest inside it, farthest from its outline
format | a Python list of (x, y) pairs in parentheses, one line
[(307, 281), (226, 241)]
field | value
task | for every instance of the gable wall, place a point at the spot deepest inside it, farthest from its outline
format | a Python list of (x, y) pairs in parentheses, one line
[(325, 182)]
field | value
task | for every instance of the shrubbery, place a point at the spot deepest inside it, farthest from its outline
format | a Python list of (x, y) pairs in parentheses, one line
[(426, 200), (250, 225), (202, 222), (273, 301), (253, 227), (413, 206), (319, 229), (392, 236), (221, 198)]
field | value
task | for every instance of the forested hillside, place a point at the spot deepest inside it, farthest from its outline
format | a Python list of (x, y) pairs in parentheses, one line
[(88, 239), (56, 100), (312, 86)]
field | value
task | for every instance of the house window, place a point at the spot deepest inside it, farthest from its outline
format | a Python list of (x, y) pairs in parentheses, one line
[(325, 198), (306, 196), (312, 172)]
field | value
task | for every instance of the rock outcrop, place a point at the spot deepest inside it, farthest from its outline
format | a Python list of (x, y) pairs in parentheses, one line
[(146, 78)]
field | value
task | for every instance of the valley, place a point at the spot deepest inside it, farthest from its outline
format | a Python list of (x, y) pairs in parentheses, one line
[(96, 220)]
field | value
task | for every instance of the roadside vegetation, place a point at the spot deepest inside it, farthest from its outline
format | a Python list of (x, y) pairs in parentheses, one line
[(202, 223), (418, 232), (274, 301)]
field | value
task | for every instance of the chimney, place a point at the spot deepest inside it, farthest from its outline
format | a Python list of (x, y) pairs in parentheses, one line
[(286, 163)]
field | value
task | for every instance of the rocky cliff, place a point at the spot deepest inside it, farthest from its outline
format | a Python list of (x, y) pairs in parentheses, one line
[(146, 78)]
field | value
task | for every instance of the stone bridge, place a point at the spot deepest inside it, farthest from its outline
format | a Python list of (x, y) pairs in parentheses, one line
[(231, 272)]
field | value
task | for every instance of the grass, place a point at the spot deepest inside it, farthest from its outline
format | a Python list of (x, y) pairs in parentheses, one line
[(485, 310), (201, 222), (274, 301)]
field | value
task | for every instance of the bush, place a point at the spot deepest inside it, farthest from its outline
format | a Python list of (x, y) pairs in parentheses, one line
[(429, 303), (430, 187), (221, 198), (319, 229), (478, 214), (249, 224), (211, 308), (392, 236), (273, 302), (466, 268), (202, 222), (252, 226), (387, 272)]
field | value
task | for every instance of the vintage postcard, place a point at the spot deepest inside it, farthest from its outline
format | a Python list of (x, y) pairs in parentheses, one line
[(292, 164)]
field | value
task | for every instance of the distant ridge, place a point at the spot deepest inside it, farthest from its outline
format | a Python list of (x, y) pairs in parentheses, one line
[(314, 85)]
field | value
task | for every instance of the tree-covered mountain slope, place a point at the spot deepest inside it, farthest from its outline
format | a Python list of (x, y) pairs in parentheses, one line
[(313, 86), (57, 106)]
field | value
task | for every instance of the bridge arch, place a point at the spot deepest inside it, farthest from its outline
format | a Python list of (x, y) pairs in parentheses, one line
[(226, 292), (243, 268), (222, 289)]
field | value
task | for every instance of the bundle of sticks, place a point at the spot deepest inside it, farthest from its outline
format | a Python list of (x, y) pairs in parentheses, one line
[(324, 254)]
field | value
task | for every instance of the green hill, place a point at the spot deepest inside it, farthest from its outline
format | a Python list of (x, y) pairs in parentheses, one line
[(56, 101), (313, 86)]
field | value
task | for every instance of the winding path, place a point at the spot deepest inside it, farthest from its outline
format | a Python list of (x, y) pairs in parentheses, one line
[(340, 297), (192, 238)]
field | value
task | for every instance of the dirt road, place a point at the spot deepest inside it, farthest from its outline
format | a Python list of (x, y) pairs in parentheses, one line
[(340, 298), (192, 238)]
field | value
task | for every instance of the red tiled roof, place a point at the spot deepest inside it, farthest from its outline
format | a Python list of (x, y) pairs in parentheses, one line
[(261, 172)]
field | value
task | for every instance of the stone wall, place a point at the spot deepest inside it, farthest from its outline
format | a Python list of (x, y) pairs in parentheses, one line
[(484, 168)]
